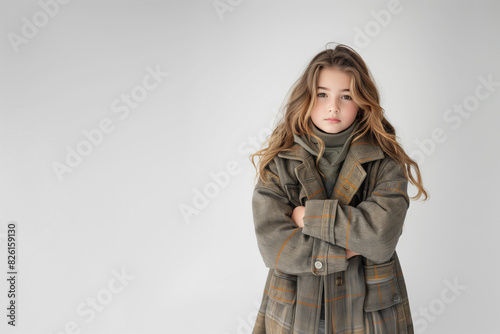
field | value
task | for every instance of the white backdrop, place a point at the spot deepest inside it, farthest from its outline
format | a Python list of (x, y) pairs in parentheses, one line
[(118, 116)]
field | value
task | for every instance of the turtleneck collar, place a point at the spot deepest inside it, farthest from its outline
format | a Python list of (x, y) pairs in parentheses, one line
[(332, 139), (336, 144)]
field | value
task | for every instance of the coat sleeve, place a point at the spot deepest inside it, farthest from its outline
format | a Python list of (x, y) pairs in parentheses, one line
[(281, 243), (374, 226)]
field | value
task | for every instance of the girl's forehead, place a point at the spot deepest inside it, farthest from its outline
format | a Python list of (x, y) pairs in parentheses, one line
[(331, 77)]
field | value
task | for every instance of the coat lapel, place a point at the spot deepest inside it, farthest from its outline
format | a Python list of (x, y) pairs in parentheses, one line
[(350, 177)]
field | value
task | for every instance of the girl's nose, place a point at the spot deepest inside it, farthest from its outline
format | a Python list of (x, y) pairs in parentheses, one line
[(333, 107)]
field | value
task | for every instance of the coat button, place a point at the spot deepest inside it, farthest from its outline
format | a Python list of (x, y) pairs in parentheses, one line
[(338, 281), (318, 265), (396, 297)]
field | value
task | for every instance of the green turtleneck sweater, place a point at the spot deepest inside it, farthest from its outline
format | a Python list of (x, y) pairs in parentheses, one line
[(336, 148)]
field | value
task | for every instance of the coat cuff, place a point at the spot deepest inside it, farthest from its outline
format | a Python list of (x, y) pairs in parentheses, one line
[(327, 258), (319, 219)]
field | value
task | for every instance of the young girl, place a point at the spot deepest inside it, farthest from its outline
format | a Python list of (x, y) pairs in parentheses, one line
[(330, 204)]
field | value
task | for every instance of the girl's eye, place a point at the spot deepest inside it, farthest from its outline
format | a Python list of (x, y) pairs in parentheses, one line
[(347, 97), (321, 95)]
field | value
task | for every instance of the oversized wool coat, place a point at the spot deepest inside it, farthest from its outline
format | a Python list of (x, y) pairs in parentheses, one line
[(363, 294)]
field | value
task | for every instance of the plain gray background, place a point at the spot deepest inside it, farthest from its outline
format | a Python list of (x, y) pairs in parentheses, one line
[(229, 64)]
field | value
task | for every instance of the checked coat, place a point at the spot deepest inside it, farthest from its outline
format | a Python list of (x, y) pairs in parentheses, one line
[(363, 294)]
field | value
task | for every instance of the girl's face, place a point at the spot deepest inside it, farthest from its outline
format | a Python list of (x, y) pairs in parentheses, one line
[(334, 110)]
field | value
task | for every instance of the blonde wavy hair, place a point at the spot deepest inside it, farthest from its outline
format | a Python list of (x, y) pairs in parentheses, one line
[(370, 117)]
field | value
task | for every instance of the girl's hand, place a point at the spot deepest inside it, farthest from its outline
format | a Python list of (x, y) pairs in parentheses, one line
[(298, 215), (298, 219), (350, 253)]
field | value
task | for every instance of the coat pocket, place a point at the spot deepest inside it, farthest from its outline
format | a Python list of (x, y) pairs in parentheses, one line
[(382, 288), (280, 310)]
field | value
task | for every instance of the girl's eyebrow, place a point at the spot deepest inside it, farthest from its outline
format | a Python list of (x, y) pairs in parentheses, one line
[(342, 90)]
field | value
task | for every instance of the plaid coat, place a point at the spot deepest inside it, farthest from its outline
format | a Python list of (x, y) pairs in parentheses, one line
[(363, 294)]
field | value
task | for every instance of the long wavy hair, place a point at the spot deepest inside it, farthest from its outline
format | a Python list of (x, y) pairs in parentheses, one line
[(370, 117)]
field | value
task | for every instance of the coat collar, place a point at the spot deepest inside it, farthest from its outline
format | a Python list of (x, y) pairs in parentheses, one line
[(351, 174)]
